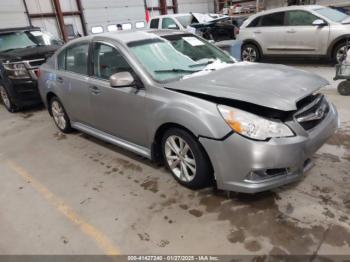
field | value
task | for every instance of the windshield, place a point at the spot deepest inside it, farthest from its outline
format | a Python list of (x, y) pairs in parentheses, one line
[(332, 14), (15, 40), (185, 20), (177, 56)]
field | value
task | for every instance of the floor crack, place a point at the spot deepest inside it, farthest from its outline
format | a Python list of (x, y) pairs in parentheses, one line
[(314, 255)]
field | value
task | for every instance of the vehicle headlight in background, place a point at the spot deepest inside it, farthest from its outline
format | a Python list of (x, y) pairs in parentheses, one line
[(253, 126), (17, 70)]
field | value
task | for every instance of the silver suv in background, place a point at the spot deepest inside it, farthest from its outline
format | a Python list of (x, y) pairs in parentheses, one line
[(306, 31)]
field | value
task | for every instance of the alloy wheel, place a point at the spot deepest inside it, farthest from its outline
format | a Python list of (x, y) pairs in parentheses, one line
[(341, 54), (5, 97), (180, 158), (58, 115), (249, 54)]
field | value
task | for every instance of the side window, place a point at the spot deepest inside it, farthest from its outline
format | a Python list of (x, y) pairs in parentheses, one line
[(169, 23), (77, 58), (300, 18), (61, 60), (108, 61), (275, 19), (154, 23), (255, 22)]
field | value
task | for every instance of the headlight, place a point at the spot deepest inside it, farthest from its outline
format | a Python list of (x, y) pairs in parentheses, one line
[(17, 70), (253, 126)]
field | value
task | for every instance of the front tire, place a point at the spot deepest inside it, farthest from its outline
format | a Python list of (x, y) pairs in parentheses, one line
[(60, 116), (186, 159), (7, 100), (344, 88), (339, 53), (250, 53)]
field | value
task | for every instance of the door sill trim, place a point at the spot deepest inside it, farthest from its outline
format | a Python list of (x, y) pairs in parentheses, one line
[(140, 150)]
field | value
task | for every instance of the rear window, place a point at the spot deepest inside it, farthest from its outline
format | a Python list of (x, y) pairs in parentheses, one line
[(276, 19), (154, 23)]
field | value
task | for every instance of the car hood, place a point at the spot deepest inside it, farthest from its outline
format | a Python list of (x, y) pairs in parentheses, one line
[(30, 53), (274, 86)]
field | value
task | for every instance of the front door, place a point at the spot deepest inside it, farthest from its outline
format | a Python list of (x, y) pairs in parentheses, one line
[(117, 111), (302, 37)]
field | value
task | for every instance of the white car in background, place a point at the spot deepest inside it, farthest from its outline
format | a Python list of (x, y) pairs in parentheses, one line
[(180, 21), (304, 31)]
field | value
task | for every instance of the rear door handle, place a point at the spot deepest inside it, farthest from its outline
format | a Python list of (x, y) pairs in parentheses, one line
[(95, 90), (60, 80), (291, 31)]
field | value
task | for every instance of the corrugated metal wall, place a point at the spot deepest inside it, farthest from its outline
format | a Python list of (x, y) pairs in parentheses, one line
[(12, 14)]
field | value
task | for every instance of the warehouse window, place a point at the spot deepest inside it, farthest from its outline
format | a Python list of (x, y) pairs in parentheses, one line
[(126, 26), (140, 25), (276, 19), (112, 28), (97, 29), (77, 58), (154, 23)]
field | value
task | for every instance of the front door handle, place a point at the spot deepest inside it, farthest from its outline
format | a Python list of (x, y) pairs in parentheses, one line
[(60, 80), (257, 32), (95, 90), (292, 31)]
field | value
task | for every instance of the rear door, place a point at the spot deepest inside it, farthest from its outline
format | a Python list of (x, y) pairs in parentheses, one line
[(270, 33), (302, 37), (72, 78)]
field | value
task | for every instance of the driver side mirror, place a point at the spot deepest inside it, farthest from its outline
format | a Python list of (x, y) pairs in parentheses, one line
[(122, 79), (319, 22)]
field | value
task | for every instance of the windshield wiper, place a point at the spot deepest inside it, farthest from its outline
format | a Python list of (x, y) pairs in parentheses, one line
[(176, 70), (202, 64)]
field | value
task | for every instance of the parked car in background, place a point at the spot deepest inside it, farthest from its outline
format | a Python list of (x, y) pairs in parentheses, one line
[(205, 25), (173, 97), (305, 31), (22, 51)]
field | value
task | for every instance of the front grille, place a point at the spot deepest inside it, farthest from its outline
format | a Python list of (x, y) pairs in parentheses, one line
[(312, 112), (36, 63)]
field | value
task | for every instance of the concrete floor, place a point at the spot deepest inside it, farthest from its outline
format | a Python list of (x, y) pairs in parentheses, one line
[(72, 194)]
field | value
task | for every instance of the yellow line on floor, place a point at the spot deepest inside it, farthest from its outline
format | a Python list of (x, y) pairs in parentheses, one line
[(101, 240)]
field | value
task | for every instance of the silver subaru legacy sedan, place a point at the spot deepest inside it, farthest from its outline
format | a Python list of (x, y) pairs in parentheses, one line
[(173, 97)]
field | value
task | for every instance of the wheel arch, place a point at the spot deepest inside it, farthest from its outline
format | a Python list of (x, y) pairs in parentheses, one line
[(252, 42), (335, 43)]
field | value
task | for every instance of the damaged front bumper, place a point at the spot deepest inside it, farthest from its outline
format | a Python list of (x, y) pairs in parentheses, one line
[(249, 166)]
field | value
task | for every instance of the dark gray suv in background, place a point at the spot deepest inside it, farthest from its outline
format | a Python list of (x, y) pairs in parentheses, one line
[(173, 97)]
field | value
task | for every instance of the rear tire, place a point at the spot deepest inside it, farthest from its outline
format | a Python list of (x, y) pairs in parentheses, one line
[(344, 88), (60, 116), (186, 159), (7, 100), (250, 53)]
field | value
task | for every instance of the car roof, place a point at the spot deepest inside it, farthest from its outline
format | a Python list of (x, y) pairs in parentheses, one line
[(128, 36), (287, 8)]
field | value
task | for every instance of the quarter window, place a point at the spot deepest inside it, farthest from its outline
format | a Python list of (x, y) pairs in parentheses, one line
[(61, 60), (77, 59), (108, 61), (300, 18), (154, 23), (275, 19)]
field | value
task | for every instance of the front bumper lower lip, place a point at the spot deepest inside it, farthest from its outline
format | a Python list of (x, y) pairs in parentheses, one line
[(236, 156)]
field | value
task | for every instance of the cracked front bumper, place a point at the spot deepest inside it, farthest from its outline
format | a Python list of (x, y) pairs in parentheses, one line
[(236, 157)]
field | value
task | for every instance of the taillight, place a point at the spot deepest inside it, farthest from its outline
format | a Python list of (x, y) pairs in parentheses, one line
[(37, 72)]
